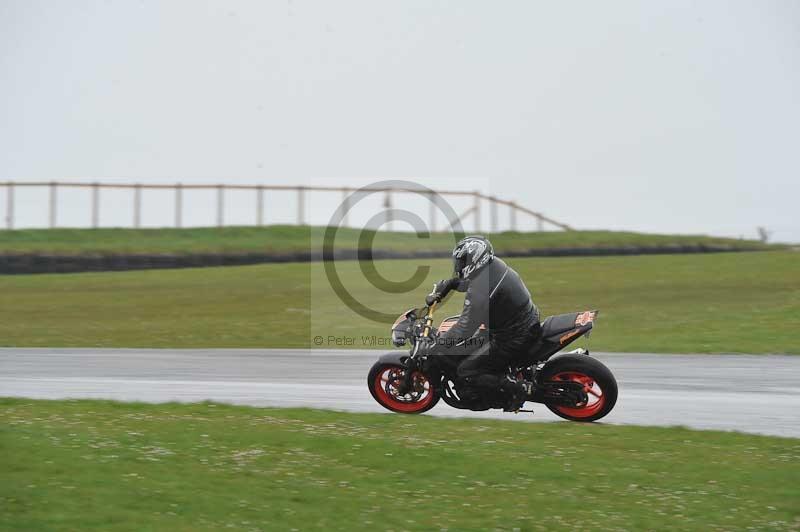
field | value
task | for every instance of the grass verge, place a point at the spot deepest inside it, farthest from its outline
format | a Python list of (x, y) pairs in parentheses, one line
[(282, 239), (92, 465), (748, 303)]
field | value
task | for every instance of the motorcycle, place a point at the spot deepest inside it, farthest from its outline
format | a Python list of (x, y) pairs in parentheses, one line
[(572, 385)]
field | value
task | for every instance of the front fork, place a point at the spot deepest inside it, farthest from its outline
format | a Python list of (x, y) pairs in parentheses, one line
[(413, 362)]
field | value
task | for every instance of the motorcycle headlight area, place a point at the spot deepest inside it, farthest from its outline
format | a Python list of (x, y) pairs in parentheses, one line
[(399, 337)]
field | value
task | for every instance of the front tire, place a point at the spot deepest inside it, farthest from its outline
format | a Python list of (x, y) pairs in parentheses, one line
[(383, 381), (598, 382)]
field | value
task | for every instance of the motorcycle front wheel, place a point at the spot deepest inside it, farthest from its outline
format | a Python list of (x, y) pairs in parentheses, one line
[(384, 382)]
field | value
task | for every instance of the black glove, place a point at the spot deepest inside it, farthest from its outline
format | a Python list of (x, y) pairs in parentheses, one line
[(440, 291)]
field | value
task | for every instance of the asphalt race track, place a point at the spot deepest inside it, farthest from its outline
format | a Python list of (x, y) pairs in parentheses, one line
[(758, 394)]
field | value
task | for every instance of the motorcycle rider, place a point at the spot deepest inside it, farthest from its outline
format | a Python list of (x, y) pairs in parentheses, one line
[(496, 298)]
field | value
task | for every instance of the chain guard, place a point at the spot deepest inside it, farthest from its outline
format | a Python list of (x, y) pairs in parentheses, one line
[(564, 393)]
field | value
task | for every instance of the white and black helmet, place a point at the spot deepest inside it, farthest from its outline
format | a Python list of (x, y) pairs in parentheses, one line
[(470, 255)]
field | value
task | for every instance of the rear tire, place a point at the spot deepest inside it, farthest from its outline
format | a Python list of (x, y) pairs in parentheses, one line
[(598, 381), (382, 381)]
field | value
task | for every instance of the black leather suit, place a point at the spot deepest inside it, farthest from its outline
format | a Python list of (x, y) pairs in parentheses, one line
[(497, 298)]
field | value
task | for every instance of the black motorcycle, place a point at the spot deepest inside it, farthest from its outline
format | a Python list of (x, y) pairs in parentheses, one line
[(572, 385)]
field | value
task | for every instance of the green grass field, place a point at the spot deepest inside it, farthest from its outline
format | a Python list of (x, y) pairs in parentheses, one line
[(737, 302), (90, 465), (293, 238)]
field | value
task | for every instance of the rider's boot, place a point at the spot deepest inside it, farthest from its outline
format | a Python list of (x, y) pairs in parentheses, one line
[(517, 393)]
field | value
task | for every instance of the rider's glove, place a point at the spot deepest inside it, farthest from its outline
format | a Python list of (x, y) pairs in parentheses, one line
[(440, 290)]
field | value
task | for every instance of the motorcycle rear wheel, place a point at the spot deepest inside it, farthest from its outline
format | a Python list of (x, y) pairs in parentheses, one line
[(597, 380), (383, 381)]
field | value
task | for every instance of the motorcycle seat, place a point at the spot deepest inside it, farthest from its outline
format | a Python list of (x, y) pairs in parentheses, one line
[(560, 323)]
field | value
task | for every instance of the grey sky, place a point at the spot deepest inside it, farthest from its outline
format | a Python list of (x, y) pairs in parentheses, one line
[(655, 116)]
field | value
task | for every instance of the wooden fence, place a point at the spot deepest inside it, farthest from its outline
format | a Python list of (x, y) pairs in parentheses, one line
[(95, 189)]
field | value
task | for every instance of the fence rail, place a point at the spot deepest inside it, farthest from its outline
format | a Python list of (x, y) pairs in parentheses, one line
[(178, 189)]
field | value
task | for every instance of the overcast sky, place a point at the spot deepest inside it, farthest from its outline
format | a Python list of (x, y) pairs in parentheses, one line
[(653, 116)]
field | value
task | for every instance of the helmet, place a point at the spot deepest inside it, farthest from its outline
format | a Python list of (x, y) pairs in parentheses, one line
[(470, 255)]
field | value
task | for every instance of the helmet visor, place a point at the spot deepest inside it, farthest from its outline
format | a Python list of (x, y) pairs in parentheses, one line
[(458, 266)]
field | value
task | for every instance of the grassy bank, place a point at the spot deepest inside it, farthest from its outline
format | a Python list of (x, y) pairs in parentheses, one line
[(88, 465), (678, 303), (284, 239)]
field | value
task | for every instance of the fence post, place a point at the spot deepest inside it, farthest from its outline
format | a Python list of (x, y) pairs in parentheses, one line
[(493, 213), (95, 205), (512, 216), (137, 205), (539, 224), (301, 205), (178, 205), (477, 211), (53, 200), (260, 205), (432, 212), (387, 204), (345, 206), (220, 205), (10, 205)]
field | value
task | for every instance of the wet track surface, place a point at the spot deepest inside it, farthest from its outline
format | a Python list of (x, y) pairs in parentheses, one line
[(758, 394)]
